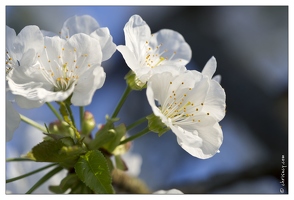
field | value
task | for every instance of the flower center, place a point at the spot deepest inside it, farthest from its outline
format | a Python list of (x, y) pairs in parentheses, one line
[(10, 63), (180, 108), (154, 56), (64, 71)]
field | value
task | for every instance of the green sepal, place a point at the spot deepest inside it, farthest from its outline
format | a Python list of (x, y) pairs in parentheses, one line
[(156, 125), (133, 82), (92, 169), (120, 163), (118, 132), (62, 151), (104, 135)]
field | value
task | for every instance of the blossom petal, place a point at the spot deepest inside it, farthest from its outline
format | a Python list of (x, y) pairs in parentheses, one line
[(10, 37), (129, 57), (29, 38), (88, 83), (12, 120), (217, 78), (202, 143), (175, 49), (36, 92), (212, 137), (84, 44), (106, 44), (215, 101), (137, 32), (210, 67), (26, 103), (171, 191), (78, 24)]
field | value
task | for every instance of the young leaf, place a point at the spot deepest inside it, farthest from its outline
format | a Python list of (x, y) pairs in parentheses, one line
[(93, 170), (72, 182), (57, 151)]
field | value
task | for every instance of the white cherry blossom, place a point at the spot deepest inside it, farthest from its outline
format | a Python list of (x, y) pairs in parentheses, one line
[(20, 48), (169, 192), (57, 68), (147, 54), (87, 25), (191, 104)]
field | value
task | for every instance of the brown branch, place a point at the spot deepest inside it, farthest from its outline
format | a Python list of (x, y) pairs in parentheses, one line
[(126, 184)]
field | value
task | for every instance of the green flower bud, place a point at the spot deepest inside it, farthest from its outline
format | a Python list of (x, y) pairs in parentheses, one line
[(61, 128), (88, 123)]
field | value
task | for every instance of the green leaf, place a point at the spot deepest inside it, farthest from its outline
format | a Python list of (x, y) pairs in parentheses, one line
[(57, 151), (56, 189), (93, 170), (72, 182), (81, 188)]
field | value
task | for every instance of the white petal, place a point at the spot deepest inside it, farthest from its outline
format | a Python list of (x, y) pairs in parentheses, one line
[(158, 87), (212, 137), (30, 37), (85, 44), (26, 103), (48, 33), (202, 143), (217, 78), (171, 191), (10, 37), (178, 52), (105, 39), (129, 57), (145, 73), (137, 32), (150, 93), (36, 92), (12, 120), (92, 80), (210, 67), (173, 69), (215, 101), (79, 24)]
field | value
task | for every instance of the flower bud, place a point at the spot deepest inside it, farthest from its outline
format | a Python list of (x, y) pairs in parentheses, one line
[(61, 128), (88, 123), (121, 149)]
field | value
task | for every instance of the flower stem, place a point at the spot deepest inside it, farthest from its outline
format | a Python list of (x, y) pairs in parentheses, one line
[(18, 159), (122, 100), (136, 123), (141, 133), (33, 123), (70, 114), (28, 174), (82, 110), (44, 179), (54, 111)]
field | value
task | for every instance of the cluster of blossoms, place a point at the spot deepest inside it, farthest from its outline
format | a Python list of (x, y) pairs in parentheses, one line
[(44, 67)]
